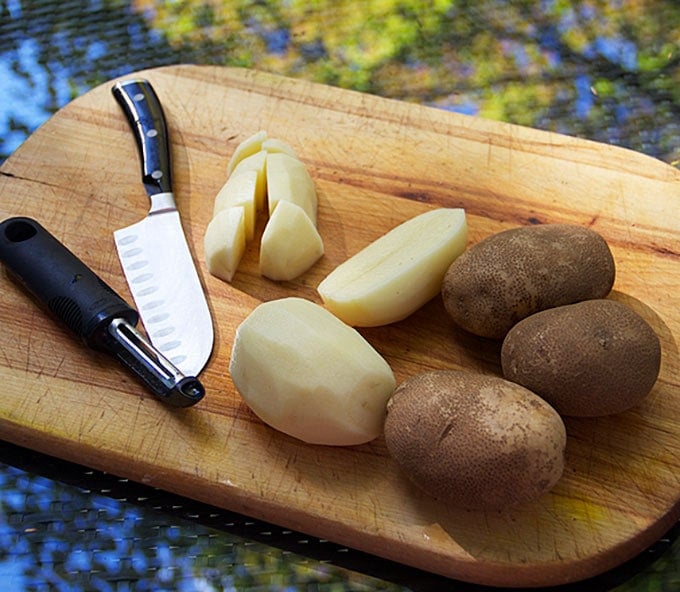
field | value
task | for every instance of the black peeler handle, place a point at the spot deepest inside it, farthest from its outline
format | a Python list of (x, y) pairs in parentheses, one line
[(90, 307), (59, 279)]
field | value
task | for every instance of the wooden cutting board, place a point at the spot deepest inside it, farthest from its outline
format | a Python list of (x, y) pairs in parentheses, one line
[(376, 163)]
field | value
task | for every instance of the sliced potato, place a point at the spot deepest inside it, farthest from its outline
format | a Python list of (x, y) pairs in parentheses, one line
[(275, 145), (225, 242), (399, 272), (305, 373), (258, 141), (290, 243), (255, 162), (240, 190), (246, 148), (288, 180)]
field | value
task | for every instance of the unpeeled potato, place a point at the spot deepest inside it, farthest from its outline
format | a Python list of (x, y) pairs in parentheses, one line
[(518, 272), (475, 441), (592, 358)]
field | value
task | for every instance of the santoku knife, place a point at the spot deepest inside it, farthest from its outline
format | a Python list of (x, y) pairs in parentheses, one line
[(154, 254), (89, 307)]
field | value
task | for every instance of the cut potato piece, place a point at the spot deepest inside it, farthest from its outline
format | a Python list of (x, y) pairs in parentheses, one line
[(399, 272), (246, 148), (305, 373), (225, 242), (240, 190), (290, 243), (274, 145), (288, 180), (255, 162)]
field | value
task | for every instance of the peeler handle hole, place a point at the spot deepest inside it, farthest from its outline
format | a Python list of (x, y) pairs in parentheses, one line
[(19, 231)]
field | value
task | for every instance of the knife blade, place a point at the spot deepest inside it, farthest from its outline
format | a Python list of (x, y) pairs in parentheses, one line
[(89, 307), (153, 252)]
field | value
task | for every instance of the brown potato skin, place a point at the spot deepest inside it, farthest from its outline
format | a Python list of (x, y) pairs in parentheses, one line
[(515, 273), (474, 441), (587, 359)]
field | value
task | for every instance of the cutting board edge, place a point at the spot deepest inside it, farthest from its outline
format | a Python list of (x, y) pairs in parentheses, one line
[(501, 575)]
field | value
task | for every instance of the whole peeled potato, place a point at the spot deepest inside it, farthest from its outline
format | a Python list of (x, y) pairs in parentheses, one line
[(515, 273), (474, 441), (587, 359)]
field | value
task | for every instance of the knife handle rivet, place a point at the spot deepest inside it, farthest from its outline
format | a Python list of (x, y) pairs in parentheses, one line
[(157, 174), (152, 133)]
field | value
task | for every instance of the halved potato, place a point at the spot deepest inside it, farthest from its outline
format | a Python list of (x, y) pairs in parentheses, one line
[(399, 272)]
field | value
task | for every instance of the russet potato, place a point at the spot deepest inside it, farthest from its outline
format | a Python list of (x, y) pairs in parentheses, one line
[(474, 441), (515, 273), (592, 358)]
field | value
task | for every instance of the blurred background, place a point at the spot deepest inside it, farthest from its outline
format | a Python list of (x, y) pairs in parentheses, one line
[(604, 70), (608, 70)]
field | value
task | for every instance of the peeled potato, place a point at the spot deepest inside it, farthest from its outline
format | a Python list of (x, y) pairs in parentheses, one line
[(225, 242), (288, 180), (258, 141), (255, 162), (290, 243), (398, 273), (246, 148), (305, 373), (276, 145), (267, 170), (240, 190)]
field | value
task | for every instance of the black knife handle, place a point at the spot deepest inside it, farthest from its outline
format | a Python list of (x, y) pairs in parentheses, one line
[(56, 277), (145, 115)]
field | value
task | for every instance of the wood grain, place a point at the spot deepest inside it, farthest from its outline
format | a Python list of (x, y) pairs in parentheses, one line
[(376, 163)]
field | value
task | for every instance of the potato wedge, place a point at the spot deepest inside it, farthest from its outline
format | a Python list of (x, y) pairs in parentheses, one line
[(246, 148), (305, 373), (240, 190), (288, 180), (225, 242), (290, 243), (255, 162), (276, 145), (399, 272)]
